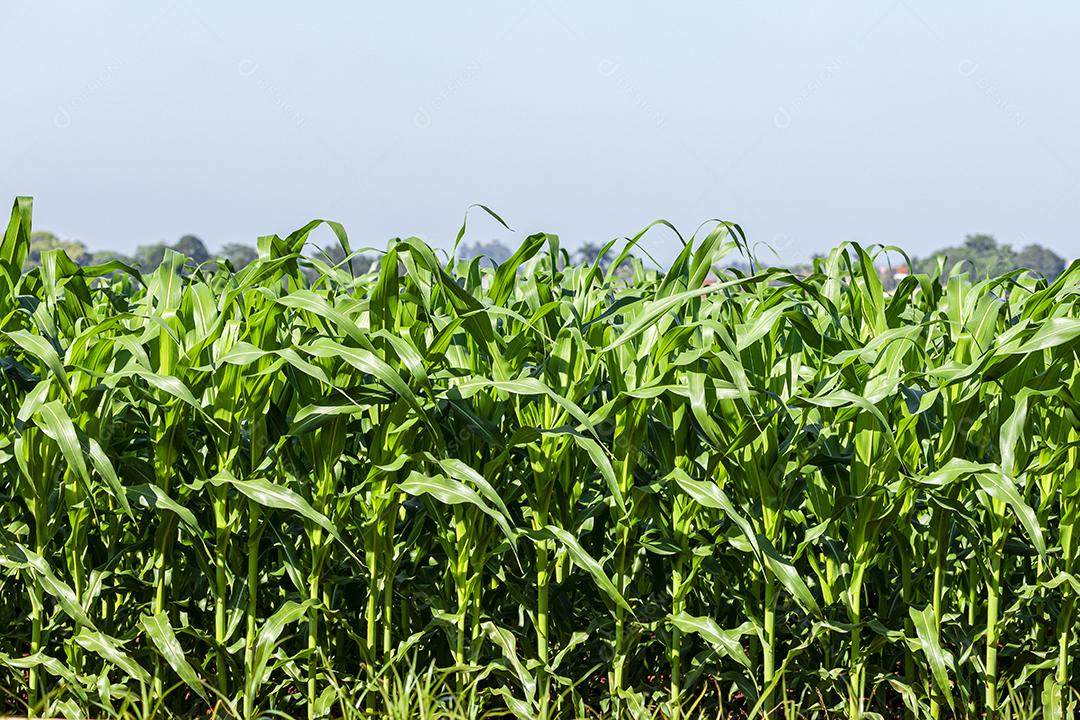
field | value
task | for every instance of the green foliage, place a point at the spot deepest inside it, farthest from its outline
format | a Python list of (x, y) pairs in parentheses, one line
[(336, 257), (148, 257), (590, 253), (493, 252), (1045, 262), (192, 248), (981, 256), (102, 257), (238, 254), (42, 242), (559, 490)]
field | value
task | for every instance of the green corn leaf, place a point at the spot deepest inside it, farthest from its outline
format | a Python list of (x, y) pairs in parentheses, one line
[(726, 642), (164, 638), (1002, 488), (583, 560), (453, 492), (927, 630), (279, 497), (110, 649), (710, 495)]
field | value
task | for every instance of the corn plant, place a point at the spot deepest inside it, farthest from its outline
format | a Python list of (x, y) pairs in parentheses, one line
[(535, 488)]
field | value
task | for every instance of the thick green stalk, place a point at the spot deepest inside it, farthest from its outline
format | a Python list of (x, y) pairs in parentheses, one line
[(459, 640), (163, 547), (625, 442), (681, 519), (993, 598), (618, 656), (388, 604), (37, 600), (461, 580), (36, 604), (163, 543), (856, 665), (909, 626), (622, 582), (1065, 621), (1068, 521), (75, 551), (371, 625), (221, 559), (974, 584), (313, 619), (254, 533), (542, 580), (371, 558), (940, 548), (770, 521), (769, 645), (675, 652)]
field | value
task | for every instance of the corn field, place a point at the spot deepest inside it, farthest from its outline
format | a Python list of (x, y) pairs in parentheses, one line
[(573, 490)]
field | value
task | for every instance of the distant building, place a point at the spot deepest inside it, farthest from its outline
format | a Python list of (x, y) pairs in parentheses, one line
[(891, 275)]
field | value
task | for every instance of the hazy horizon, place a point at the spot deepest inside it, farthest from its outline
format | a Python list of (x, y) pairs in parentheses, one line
[(901, 122)]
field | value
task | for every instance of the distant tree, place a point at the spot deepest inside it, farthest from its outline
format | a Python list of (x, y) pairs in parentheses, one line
[(42, 242), (335, 255), (493, 250), (802, 270), (148, 257), (103, 256), (1040, 260), (364, 263), (589, 252), (192, 248), (980, 244), (982, 256), (238, 254)]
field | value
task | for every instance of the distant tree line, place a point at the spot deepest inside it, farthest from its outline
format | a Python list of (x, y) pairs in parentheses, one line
[(146, 258), (495, 252), (359, 263), (980, 255)]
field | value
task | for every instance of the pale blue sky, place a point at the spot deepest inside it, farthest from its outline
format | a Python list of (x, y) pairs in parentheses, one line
[(903, 122)]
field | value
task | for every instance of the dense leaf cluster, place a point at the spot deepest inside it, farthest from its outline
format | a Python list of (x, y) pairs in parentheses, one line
[(634, 491)]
